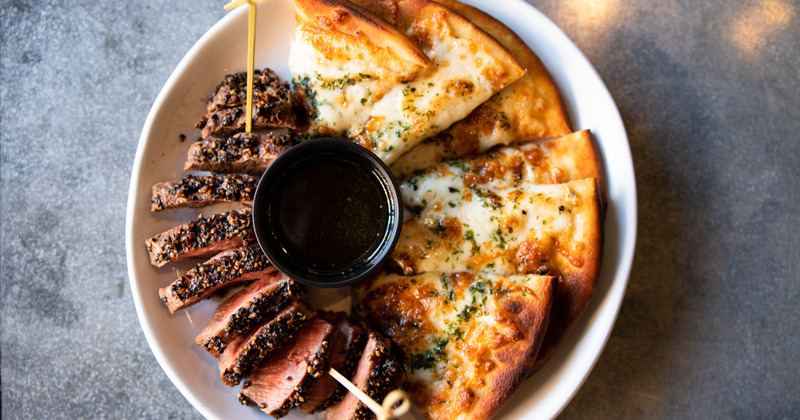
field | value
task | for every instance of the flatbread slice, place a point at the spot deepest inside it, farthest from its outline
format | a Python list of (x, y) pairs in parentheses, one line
[(552, 161), (467, 67), (530, 108), (484, 228), (469, 338), (343, 59)]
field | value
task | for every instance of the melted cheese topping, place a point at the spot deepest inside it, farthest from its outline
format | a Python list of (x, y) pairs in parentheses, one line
[(494, 226), (463, 76), (343, 76), (355, 92), (450, 327), (553, 161)]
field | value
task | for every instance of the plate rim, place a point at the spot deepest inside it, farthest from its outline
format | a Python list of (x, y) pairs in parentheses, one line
[(603, 319)]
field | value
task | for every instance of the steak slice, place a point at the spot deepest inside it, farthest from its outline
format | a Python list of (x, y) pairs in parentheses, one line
[(377, 370), (224, 270), (198, 191), (244, 153), (232, 91), (274, 105), (282, 382), (248, 308), (202, 237), (246, 351), (345, 352)]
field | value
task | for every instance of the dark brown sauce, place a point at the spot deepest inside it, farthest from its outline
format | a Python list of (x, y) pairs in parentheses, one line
[(331, 214)]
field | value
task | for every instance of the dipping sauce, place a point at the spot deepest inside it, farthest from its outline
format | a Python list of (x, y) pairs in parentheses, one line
[(329, 214)]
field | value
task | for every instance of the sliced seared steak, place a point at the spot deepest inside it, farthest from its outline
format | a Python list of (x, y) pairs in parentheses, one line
[(244, 152), (248, 308), (246, 351), (345, 352), (283, 381), (378, 369), (202, 237), (224, 270), (198, 191), (232, 91), (274, 105)]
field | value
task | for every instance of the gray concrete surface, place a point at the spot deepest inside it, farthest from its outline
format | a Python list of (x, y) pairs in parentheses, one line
[(710, 95)]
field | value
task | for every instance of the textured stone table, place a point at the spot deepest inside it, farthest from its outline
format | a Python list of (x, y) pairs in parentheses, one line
[(710, 95)]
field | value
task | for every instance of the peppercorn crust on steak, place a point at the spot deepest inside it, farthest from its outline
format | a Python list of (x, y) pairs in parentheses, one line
[(528, 109), (469, 338), (466, 67)]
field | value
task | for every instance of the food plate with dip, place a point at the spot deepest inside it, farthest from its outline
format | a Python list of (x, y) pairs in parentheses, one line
[(161, 153)]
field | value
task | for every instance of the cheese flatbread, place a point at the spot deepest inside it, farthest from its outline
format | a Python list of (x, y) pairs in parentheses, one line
[(467, 67), (529, 109), (503, 251), (468, 338), (544, 229), (343, 59)]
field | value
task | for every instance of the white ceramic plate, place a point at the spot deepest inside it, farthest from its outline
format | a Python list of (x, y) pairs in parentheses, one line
[(160, 156)]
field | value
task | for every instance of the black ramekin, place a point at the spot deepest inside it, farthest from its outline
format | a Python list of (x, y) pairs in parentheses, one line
[(306, 153)]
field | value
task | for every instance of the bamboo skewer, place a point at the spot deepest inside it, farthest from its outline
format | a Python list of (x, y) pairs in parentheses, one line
[(251, 53), (383, 411)]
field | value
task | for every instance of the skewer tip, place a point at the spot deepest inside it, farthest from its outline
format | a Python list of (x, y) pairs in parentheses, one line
[(394, 405)]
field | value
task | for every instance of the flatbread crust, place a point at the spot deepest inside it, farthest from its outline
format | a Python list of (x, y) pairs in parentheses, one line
[(552, 161), (530, 108), (469, 338), (412, 16), (343, 18)]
